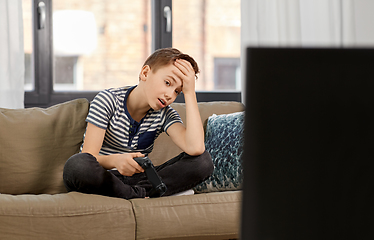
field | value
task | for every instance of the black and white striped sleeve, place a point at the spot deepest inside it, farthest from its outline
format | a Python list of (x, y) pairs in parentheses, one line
[(171, 117), (101, 109)]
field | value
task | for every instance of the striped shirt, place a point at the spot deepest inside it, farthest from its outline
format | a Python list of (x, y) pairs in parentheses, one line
[(123, 134)]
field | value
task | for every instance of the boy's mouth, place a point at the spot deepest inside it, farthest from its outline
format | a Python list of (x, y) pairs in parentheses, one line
[(163, 103)]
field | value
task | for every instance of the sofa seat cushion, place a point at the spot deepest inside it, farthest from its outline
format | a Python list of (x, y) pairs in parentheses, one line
[(199, 216), (35, 144), (65, 216)]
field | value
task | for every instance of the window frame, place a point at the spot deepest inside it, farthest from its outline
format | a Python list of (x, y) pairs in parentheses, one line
[(43, 94)]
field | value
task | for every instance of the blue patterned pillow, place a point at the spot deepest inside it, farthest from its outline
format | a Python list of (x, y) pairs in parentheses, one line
[(224, 141)]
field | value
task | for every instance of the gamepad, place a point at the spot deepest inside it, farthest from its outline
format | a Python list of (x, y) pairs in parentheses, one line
[(159, 188)]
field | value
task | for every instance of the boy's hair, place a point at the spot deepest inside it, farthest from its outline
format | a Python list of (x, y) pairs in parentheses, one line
[(165, 56)]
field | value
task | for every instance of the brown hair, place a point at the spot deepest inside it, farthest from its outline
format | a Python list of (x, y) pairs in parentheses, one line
[(165, 56)]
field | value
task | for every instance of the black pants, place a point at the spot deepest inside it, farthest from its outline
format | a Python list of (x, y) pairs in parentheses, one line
[(83, 173)]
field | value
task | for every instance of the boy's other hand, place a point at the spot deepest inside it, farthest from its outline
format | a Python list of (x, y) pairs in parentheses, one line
[(126, 165), (187, 74)]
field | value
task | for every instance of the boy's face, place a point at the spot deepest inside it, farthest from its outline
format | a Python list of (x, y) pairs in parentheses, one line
[(162, 86)]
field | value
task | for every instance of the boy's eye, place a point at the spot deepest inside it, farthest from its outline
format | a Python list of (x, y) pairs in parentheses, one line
[(167, 82), (177, 92)]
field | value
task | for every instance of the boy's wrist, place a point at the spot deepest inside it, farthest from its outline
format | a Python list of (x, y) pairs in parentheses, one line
[(189, 94)]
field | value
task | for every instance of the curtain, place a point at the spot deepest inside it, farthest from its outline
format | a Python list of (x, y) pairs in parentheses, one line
[(295, 23), (12, 65)]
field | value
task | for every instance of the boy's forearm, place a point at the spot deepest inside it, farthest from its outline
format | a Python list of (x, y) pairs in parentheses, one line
[(106, 161), (194, 127)]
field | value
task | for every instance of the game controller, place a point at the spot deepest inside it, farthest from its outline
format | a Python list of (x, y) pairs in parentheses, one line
[(159, 188)]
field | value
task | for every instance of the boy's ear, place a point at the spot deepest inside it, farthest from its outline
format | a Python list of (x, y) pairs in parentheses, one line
[(144, 73)]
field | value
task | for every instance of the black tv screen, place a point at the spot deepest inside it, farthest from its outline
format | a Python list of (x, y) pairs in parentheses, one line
[(309, 144)]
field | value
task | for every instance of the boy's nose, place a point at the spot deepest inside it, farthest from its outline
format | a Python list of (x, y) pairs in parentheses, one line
[(169, 95)]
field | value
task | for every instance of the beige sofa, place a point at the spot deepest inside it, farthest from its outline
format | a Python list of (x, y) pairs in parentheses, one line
[(34, 204)]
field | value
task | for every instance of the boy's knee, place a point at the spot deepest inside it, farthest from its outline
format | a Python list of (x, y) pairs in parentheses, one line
[(78, 161), (77, 166)]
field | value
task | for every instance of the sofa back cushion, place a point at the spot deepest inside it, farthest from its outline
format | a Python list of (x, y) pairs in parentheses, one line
[(35, 144), (165, 149)]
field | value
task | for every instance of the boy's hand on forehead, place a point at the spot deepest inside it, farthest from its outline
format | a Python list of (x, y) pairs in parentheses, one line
[(187, 74)]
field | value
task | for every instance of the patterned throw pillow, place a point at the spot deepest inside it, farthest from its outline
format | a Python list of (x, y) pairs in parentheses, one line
[(224, 141)]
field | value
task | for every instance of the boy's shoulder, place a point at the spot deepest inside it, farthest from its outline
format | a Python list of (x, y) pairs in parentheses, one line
[(114, 94), (120, 91)]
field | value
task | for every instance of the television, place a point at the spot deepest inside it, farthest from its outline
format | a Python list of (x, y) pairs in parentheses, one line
[(309, 144)]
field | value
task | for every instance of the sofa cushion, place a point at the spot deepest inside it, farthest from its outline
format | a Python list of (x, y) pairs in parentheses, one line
[(65, 216), (35, 144), (224, 141), (200, 216)]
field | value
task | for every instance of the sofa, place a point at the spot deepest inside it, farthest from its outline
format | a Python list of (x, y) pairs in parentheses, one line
[(34, 204)]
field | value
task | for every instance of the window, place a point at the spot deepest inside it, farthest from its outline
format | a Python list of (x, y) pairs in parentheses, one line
[(76, 48), (99, 44), (226, 73), (67, 73), (209, 30)]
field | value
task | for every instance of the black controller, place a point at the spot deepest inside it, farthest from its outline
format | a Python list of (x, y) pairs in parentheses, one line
[(159, 188)]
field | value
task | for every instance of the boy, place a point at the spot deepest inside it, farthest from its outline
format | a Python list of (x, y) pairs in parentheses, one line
[(123, 123)]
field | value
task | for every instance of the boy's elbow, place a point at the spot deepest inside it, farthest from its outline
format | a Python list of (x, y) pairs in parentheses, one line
[(196, 151)]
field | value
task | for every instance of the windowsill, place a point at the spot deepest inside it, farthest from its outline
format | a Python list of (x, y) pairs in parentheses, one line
[(33, 99)]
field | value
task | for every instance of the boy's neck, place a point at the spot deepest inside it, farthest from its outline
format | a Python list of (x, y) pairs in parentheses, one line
[(136, 105)]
